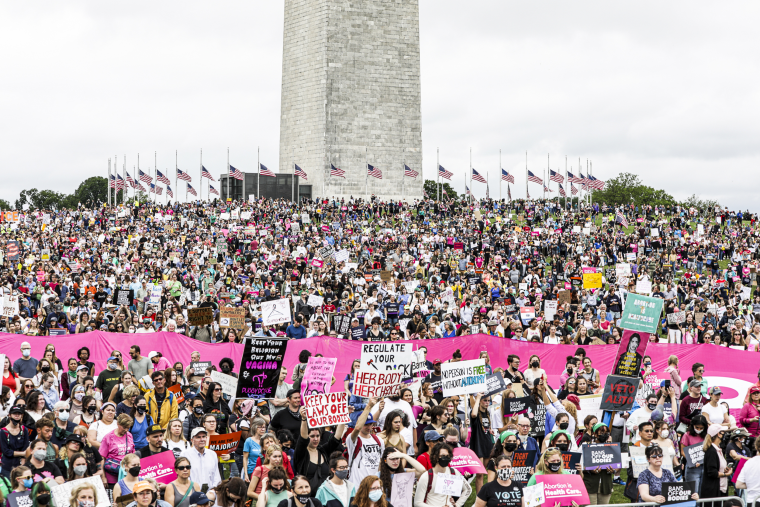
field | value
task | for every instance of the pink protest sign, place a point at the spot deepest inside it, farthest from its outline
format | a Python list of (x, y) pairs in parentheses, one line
[(466, 461), (317, 263), (318, 375), (563, 488), (159, 467)]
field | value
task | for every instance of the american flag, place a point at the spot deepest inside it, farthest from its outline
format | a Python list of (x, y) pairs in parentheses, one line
[(206, 174), (120, 184), (443, 191), (152, 188), (300, 172), (478, 177), (374, 172), (169, 191), (265, 172), (235, 173), (443, 173), (112, 184), (334, 171), (547, 189), (144, 177), (213, 190), (554, 176), (182, 175), (573, 179), (408, 172), (620, 218), (130, 180), (425, 194), (159, 190), (467, 190), (573, 190), (191, 190), (505, 176), (141, 188), (584, 180), (163, 179), (535, 179), (562, 192), (596, 183)]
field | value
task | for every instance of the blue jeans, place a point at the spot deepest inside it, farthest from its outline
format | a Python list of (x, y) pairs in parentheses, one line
[(694, 474)]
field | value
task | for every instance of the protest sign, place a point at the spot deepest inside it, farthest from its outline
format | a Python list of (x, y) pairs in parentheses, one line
[(570, 460), (224, 443), (622, 269), (342, 324), (341, 256), (200, 316), (534, 495), (199, 367), (677, 318), (550, 309), (326, 409), (563, 488), (463, 377), (591, 279), (315, 301), (358, 332), (590, 405), (155, 295), (10, 306), (260, 367), (159, 467), (641, 313), (61, 493), (14, 250), (564, 296), (57, 332), (527, 313), (601, 456), (695, 455), (176, 389), (123, 297), (514, 406), (638, 459), (275, 312), (317, 377), (537, 417), (370, 383), (449, 484), (495, 384), (232, 318), (644, 287), (630, 353), (619, 393), (419, 366), (676, 492), (522, 462), (403, 489), (17, 499), (466, 462), (45, 254), (388, 357), (228, 382)]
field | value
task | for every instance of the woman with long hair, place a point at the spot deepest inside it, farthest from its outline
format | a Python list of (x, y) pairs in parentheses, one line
[(395, 421), (550, 463), (231, 493), (370, 493), (695, 434), (215, 404), (598, 482), (142, 422), (505, 447), (178, 492), (275, 488), (21, 479), (10, 379), (394, 461), (336, 491), (273, 459), (131, 466), (105, 424), (348, 382), (78, 468), (126, 379), (252, 447), (301, 494), (174, 439), (84, 495)]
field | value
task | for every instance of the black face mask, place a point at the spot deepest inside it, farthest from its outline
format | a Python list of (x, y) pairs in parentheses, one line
[(534, 364), (43, 499), (225, 368), (563, 447), (564, 425), (444, 461), (45, 369), (602, 438), (91, 410), (569, 370), (198, 410), (277, 490), (554, 467), (651, 406), (134, 471), (510, 447), (141, 410)]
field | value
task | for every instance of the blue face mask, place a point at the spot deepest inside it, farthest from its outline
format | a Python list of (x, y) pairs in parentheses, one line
[(375, 495), (28, 483)]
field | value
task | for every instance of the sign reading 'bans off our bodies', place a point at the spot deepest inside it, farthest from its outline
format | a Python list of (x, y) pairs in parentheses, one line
[(326, 409), (260, 368), (463, 377)]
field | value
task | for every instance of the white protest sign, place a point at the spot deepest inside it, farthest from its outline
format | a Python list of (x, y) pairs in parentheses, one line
[(644, 287), (326, 409), (403, 489), (419, 366), (228, 382), (155, 295), (655, 232), (590, 405), (10, 305), (534, 495), (385, 357), (745, 294), (371, 383), (449, 484), (341, 256), (315, 300), (622, 269), (275, 312), (448, 295), (463, 377), (550, 309), (61, 493), (677, 318)]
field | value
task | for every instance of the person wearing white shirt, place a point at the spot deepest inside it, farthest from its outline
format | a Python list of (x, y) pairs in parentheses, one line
[(749, 477), (204, 463)]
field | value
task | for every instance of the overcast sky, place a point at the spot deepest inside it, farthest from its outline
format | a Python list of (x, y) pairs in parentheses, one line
[(667, 90)]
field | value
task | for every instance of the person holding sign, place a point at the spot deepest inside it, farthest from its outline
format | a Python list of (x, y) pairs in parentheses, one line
[(550, 463), (502, 492), (716, 474), (650, 480), (599, 480), (429, 493), (481, 440), (312, 458)]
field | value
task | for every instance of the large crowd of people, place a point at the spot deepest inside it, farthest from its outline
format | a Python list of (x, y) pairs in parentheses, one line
[(396, 271)]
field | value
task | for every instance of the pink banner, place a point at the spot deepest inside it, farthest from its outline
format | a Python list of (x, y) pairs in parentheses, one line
[(159, 467), (563, 488), (466, 461)]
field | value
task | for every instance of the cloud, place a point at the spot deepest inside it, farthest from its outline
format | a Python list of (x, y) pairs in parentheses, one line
[(668, 91)]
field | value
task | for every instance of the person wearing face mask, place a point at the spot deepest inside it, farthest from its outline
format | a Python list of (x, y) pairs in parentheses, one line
[(25, 366), (640, 415), (142, 422), (42, 471), (14, 440), (73, 445), (63, 424), (550, 463), (83, 496), (599, 481), (40, 494), (276, 488), (370, 494), (505, 446), (535, 371), (109, 378), (131, 466), (425, 495), (717, 471), (21, 479), (503, 491), (228, 366)]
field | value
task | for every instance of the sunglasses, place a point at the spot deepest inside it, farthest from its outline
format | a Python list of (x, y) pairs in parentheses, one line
[(184, 467)]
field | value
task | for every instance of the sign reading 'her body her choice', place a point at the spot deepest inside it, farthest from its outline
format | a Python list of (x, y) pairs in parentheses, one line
[(619, 393), (641, 313), (630, 354), (260, 368), (326, 409), (463, 377), (384, 357), (370, 383)]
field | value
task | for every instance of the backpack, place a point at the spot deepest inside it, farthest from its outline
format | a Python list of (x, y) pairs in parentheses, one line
[(430, 485), (358, 448)]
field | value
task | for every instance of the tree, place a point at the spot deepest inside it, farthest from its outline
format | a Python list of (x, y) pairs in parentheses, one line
[(91, 192), (4, 205), (431, 189), (627, 188)]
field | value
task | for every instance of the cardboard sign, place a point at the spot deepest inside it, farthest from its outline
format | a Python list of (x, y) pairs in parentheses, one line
[(317, 377), (619, 393), (630, 353), (260, 368), (232, 317), (466, 461), (641, 313), (564, 296), (227, 382), (275, 312), (694, 454), (514, 406), (61, 493), (199, 367), (677, 492), (522, 462), (449, 484), (386, 276), (159, 467), (563, 488), (388, 357), (601, 456), (463, 377), (623, 269), (370, 383), (200, 316), (326, 409), (223, 444), (677, 318), (495, 384)]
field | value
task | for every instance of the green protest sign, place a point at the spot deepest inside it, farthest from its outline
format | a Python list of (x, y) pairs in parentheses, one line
[(641, 313)]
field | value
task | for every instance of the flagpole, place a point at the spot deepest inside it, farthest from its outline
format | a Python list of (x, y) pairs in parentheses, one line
[(108, 185), (293, 189), (566, 182), (258, 171), (472, 194), (438, 173), (366, 173), (526, 175), (125, 192), (499, 174)]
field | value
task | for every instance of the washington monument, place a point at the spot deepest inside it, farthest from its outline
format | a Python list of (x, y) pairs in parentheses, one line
[(351, 95)]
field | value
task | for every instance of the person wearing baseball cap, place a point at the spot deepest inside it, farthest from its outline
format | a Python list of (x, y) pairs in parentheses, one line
[(155, 445), (712, 486), (204, 462), (714, 411), (145, 494)]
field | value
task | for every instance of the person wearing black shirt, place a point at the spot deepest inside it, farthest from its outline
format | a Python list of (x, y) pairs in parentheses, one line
[(435, 381), (502, 492), (290, 418), (100, 296), (42, 470)]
